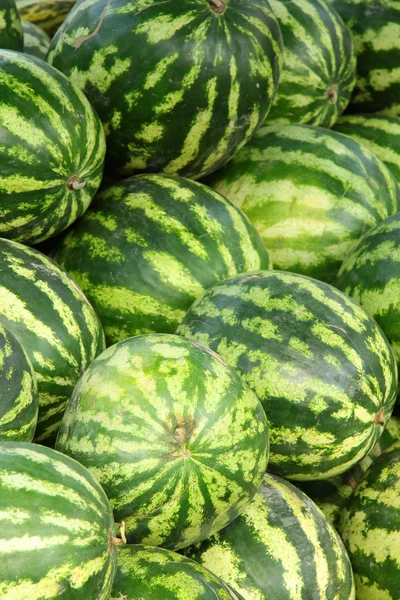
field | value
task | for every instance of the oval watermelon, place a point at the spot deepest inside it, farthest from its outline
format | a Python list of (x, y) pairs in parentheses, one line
[(150, 246), (310, 192), (375, 26), (52, 149), (370, 528), (11, 35), (53, 321), (57, 537), (157, 574), (319, 71), (380, 133), (281, 547), (19, 400), (179, 86), (321, 366), (175, 437), (36, 41), (47, 14)]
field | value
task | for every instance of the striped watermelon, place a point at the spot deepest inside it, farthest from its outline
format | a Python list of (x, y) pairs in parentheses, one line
[(57, 537), (332, 495), (175, 437), (320, 365), (51, 318), (370, 528), (19, 400), (11, 35), (47, 14), (180, 86), (52, 149), (150, 246), (310, 192), (36, 41), (371, 275), (281, 547), (380, 133), (319, 71), (375, 25), (157, 574)]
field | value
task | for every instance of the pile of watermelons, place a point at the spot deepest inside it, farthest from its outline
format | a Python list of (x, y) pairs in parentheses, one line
[(199, 299)]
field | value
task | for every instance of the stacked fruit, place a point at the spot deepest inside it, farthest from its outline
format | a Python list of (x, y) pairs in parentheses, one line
[(199, 300)]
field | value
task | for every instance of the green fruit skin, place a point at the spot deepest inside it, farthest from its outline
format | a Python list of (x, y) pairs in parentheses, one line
[(19, 400), (282, 547), (52, 151), (375, 27), (370, 528), (36, 41), (321, 366), (149, 572), (381, 133), (175, 437), (46, 14), (54, 323), (310, 192), (11, 35), (179, 88), (57, 528), (319, 70), (150, 246)]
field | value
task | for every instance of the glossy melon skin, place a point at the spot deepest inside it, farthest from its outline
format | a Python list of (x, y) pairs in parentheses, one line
[(175, 437), (52, 150), (150, 245), (321, 366), (36, 41), (46, 14), (180, 86), (57, 535), (319, 70), (11, 35)]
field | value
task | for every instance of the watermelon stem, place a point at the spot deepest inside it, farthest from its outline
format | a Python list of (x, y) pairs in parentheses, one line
[(380, 418), (332, 94), (218, 6), (75, 183), (115, 541)]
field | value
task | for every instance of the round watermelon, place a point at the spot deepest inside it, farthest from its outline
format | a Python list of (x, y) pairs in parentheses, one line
[(281, 547), (53, 321), (46, 14), (158, 574), (150, 246), (57, 537), (175, 437), (380, 133), (180, 86), (51, 153), (11, 35), (319, 70), (321, 366), (370, 528), (36, 41), (19, 400), (310, 192), (375, 26)]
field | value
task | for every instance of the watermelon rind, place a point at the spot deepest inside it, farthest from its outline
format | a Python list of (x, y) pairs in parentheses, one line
[(36, 41)]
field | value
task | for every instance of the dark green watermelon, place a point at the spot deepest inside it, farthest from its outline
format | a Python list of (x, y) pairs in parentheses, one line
[(36, 41), (11, 35)]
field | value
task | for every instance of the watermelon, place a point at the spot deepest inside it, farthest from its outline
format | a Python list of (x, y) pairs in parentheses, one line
[(47, 14), (53, 321), (175, 437), (52, 149), (375, 26), (150, 246), (371, 275), (370, 528), (332, 495), (36, 41), (157, 574), (319, 71), (11, 35), (57, 537), (19, 396), (180, 86), (321, 366), (381, 133), (281, 547), (310, 192)]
